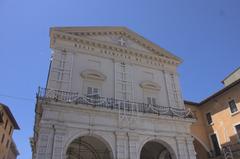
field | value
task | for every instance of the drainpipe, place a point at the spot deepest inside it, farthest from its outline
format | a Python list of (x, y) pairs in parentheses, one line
[(53, 140)]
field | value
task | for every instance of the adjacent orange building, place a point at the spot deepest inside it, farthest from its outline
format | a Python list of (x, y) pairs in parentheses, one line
[(7, 126), (217, 128)]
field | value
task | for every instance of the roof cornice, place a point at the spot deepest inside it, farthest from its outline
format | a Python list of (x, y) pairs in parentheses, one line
[(221, 91), (10, 115), (230, 74)]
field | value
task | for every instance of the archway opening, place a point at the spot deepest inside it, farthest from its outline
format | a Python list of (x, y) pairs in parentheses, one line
[(201, 152), (88, 147), (155, 150)]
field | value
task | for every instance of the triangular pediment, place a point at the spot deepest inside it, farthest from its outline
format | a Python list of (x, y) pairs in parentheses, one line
[(119, 36), (120, 40)]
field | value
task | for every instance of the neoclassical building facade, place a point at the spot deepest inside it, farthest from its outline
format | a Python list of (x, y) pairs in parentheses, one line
[(110, 94)]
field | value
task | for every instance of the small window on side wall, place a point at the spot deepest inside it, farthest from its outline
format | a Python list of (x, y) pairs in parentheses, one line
[(237, 127), (233, 106), (6, 124), (209, 118)]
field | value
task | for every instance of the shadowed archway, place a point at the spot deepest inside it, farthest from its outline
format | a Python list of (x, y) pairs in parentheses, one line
[(201, 152), (88, 147), (156, 150)]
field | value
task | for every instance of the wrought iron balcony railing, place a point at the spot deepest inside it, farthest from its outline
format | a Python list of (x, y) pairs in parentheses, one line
[(127, 107)]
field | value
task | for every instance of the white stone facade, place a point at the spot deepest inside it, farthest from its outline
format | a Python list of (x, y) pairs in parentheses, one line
[(113, 63)]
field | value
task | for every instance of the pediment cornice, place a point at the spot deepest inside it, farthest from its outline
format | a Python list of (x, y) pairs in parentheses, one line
[(115, 30), (56, 34)]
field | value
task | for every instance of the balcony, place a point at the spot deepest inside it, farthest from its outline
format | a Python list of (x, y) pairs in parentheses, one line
[(126, 107)]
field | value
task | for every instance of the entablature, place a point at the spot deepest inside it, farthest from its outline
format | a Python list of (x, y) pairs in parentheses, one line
[(121, 32), (68, 42)]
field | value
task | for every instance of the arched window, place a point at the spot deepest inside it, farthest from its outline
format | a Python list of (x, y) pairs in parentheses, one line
[(150, 92), (92, 84)]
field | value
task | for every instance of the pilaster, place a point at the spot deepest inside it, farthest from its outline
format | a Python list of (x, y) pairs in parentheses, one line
[(121, 145), (190, 147), (58, 139), (44, 143), (178, 91), (182, 148), (166, 87), (133, 139), (50, 142), (169, 86)]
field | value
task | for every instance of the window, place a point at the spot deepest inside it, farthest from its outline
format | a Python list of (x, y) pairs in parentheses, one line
[(10, 130), (7, 144), (92, 83), (237, 127), (91, 91), (215, 144), (6, 124), (1, 117), (233, 106), (209, 118), (3, 138), (151, 100)]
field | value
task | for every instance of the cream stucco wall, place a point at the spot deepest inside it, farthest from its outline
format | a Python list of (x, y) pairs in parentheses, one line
[(224, 121)]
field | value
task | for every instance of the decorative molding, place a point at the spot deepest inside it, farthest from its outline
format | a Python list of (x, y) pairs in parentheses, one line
[(136, 59), (93, 74), (150, 85)]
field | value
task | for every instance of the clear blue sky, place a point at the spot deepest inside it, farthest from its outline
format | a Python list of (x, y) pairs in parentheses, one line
[(204, 33)]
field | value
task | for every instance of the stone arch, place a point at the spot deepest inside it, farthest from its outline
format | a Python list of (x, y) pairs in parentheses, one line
[(101, 138), (201, 142), (201, 149), (163, 142)]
